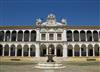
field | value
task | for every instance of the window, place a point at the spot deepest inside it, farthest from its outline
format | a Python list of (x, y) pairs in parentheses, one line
[(50, 36), (58, 36), (43, 36)]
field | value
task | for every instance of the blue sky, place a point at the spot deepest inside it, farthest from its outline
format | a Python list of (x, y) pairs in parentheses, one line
[(25, 12)]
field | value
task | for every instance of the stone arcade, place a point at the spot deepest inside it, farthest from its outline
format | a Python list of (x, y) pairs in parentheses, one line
[(64, 40)]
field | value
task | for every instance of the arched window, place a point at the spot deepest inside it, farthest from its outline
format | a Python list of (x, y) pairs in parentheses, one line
[(1, 35), (33, 35), (26, 36), (69, 35)]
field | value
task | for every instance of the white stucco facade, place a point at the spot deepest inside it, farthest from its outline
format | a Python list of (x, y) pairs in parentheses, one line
[(65, 41)]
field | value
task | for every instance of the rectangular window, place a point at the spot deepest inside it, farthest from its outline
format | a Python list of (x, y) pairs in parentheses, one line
[(59, 36), (51, 36), (43, 36)]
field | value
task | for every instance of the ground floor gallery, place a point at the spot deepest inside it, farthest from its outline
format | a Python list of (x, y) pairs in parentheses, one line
[(59, 50)]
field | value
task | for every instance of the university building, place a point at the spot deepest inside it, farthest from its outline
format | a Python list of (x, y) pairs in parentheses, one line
[(64, 40)]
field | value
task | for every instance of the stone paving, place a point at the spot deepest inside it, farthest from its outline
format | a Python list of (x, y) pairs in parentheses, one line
[(69, 68)]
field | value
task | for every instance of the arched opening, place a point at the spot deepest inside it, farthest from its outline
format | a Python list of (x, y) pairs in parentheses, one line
[(69, 35), (59, 50), (83, 50), (89, 36), (76, 36), (1, 49), (19, 50), (26, 36), (20, 35), (32, 50), (95, 35), (7, 36), (12, 50), (25, 49), (96, 49), (82, 35), (43, 50), (33, 35), (70, 51), (52, 49), (13, 38), (76, 50), (1, 35), (6, 50), (90, 50)]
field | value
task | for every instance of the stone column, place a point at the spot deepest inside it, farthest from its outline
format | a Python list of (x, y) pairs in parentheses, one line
[(4, 35), (47, 51), (92, 36), (93, 52), (55, 51), (87, 51), (80, 52), (72, 35), (37, 35), (64, 50), (16, 35), (3, 51), (23, 36), (73, 52), (9, 51), (86, 35), (22, 51), (99, 51), (10, 35), (98, 36), (37, 51), (29, 35), (29, 52), (79, 36), (15, 51)]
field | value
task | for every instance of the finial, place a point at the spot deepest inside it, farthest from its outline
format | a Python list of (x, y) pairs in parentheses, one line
[(51, 16), (64, 21), (38, 21)]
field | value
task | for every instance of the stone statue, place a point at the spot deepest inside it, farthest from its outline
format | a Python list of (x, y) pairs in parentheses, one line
[(38, 21), (50, 55)]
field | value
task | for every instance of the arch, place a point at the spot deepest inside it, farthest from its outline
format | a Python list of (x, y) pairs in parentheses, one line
[(70, 51), (6, 50), (96, 49), (32, 50), (90, 50), (19, 50), (76, 35), (89, 36), (13, 37), (76, 50), (83, 50), (1, 50), (82, 35), (95, 35), (69, 35), (1, 35), (7, 36), (12, 53), (52, 48), (43, 50), (26, 36), (26, 50), (20, 35), (33, 35), (59, 50)]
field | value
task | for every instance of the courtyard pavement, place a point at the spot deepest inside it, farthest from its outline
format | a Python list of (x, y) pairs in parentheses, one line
[(91, 66)]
